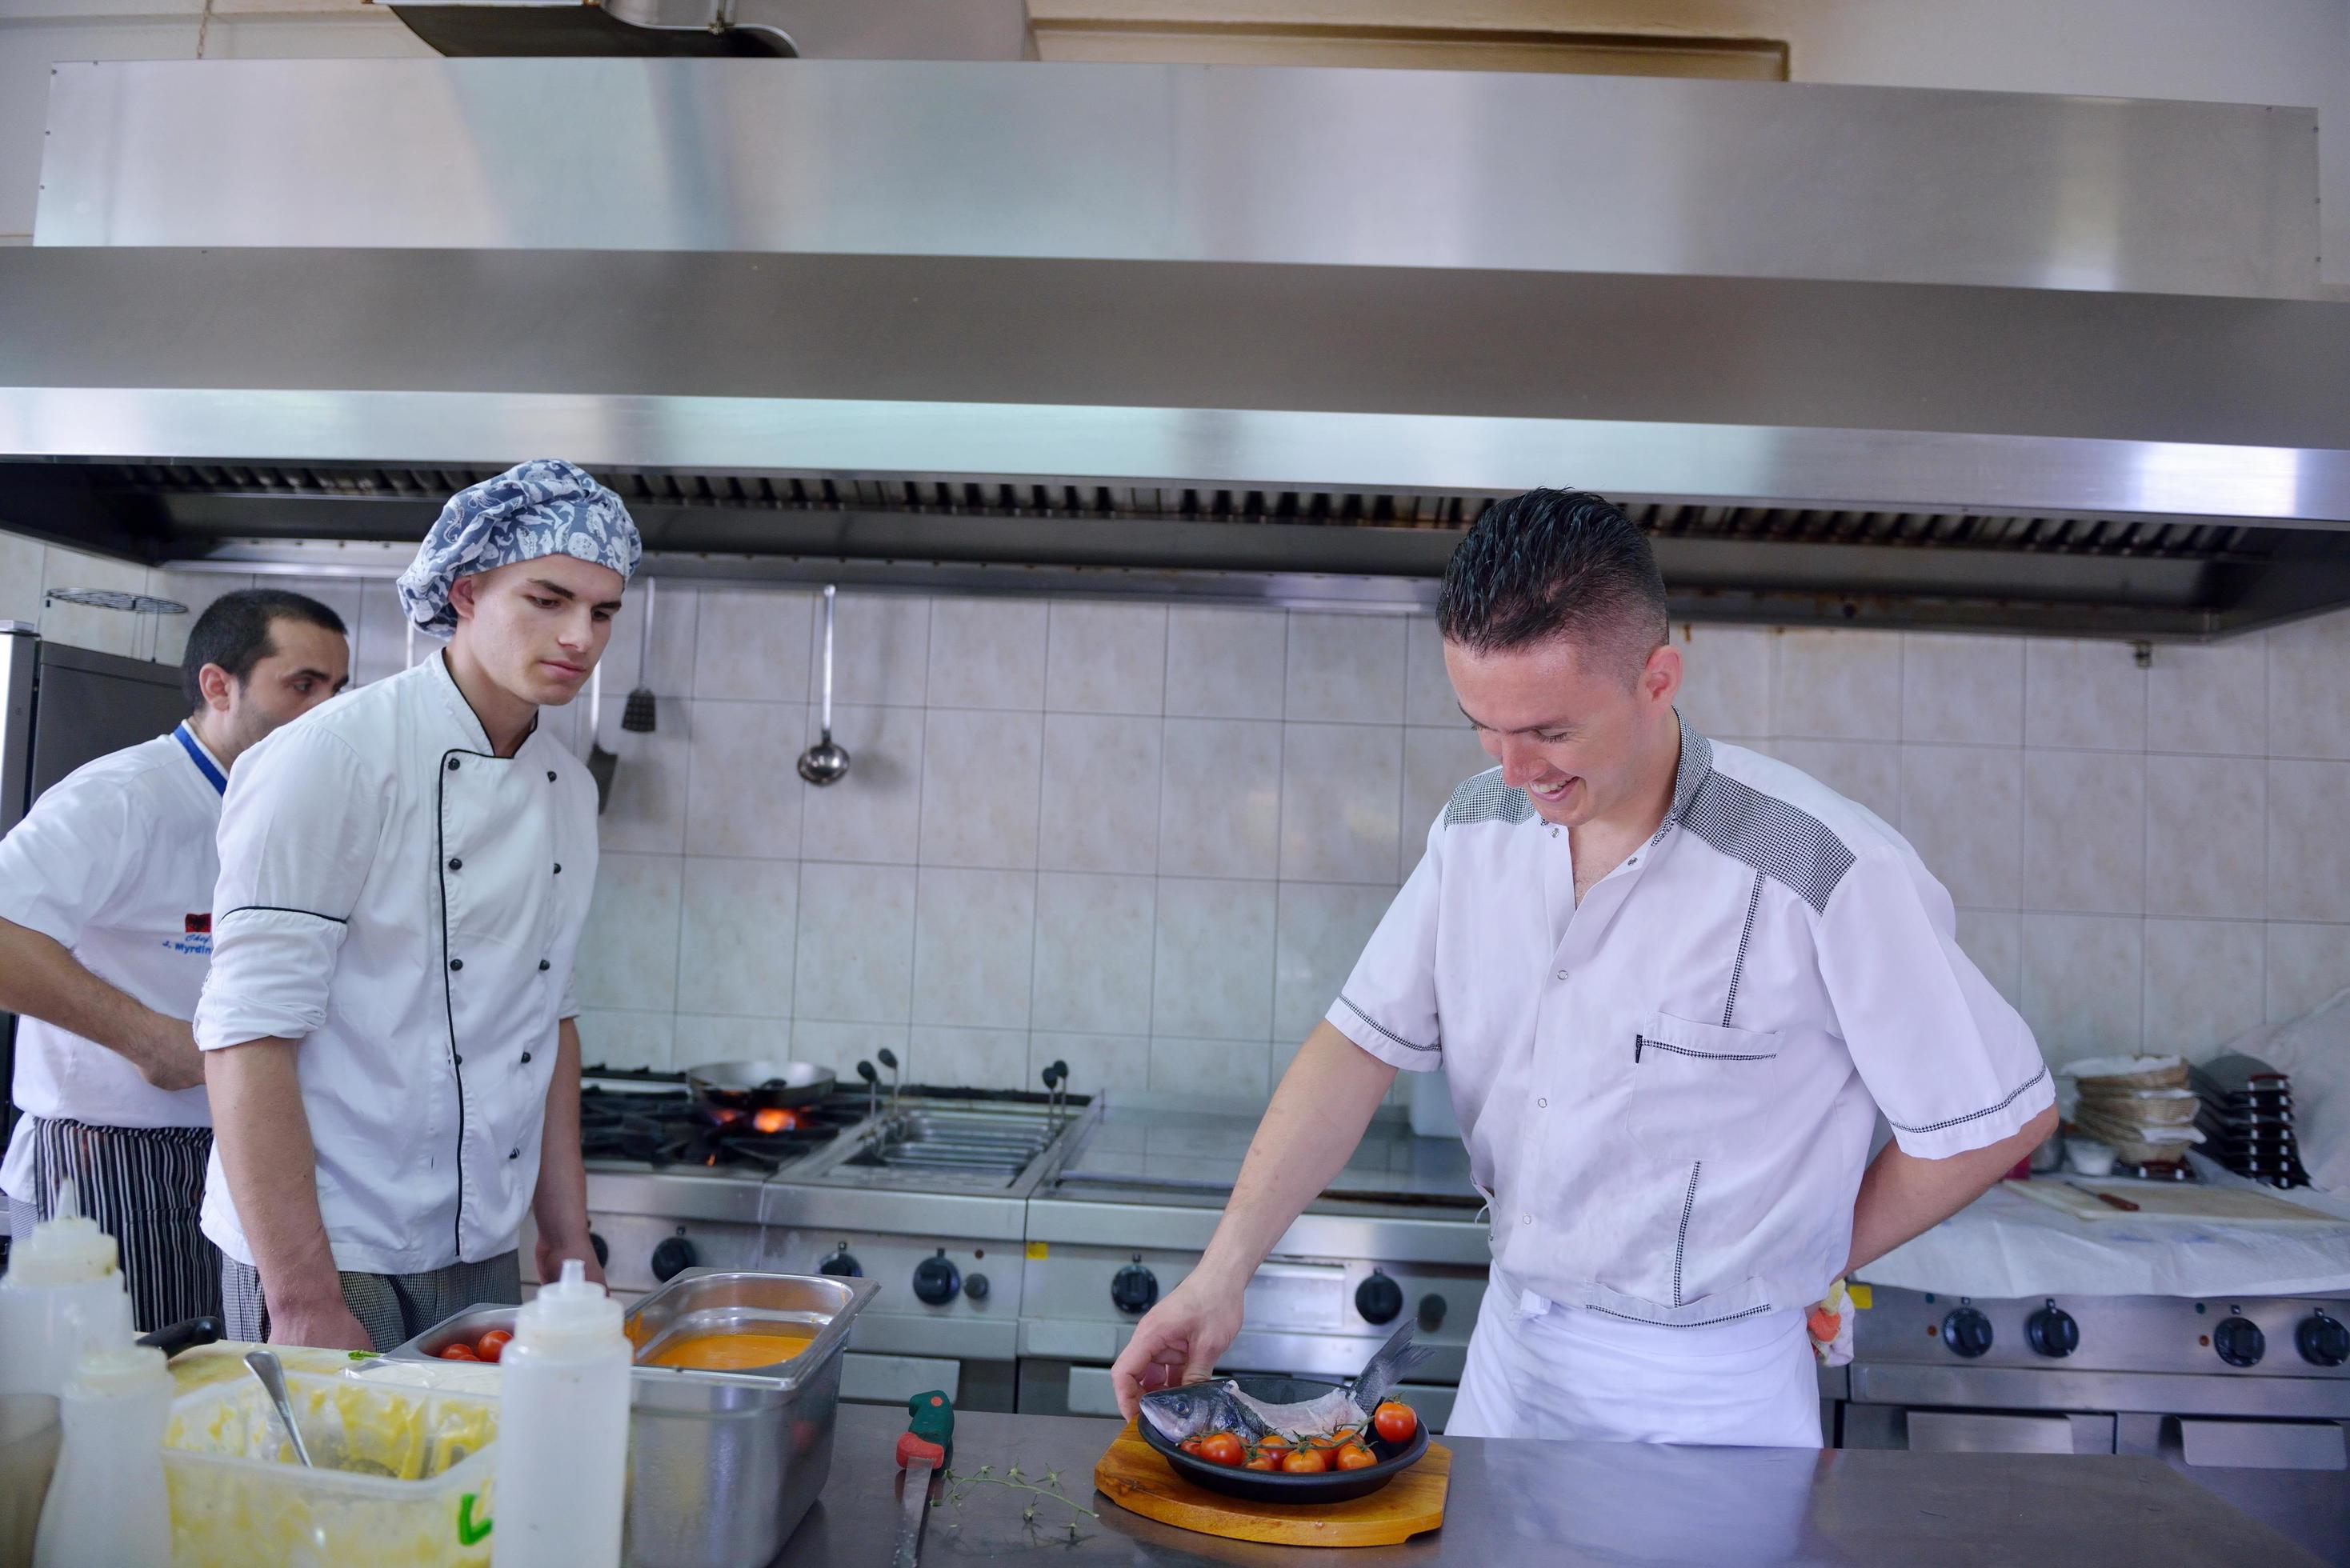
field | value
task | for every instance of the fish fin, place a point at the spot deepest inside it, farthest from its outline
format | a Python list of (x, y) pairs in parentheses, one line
[(1397, 1357)]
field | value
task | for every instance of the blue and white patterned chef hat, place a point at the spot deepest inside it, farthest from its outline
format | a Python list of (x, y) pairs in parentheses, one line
[(543, 507)]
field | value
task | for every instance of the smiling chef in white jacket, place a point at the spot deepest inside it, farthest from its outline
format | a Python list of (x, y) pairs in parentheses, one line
[(388, 1021), (1671, 983)]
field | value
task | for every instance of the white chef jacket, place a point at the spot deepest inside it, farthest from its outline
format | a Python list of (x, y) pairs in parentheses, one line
[(405, 903), (115, 863), (1667, 1092)]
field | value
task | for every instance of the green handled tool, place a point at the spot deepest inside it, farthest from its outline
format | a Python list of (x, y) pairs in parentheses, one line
[(923, 1450)]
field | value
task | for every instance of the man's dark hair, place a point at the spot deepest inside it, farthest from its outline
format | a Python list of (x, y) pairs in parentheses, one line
[(234, 633), (1554, 564)]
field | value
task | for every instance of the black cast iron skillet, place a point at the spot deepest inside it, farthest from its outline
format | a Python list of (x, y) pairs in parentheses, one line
[(1276, 1486)]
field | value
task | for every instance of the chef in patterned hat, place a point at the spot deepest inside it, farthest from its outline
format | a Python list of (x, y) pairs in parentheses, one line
[(388, 1023)]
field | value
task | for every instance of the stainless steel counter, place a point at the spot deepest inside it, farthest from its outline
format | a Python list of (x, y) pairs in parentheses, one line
[(1583, 1503)]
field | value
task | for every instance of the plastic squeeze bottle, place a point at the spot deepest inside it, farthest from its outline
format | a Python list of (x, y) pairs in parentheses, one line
[(107, 1507), (563, 1431), (63, 1287)]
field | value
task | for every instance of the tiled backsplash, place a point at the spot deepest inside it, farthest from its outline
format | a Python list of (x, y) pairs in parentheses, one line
[(1151, 839)]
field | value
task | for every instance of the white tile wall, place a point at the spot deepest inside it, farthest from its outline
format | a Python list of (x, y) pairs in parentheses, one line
[(1149, 839)]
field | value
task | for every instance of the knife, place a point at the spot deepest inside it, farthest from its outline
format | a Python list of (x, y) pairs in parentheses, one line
[(2123, 1204), (923, 1450)]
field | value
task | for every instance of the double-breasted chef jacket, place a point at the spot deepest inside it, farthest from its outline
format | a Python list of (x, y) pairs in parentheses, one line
[(1669, 1092), (115, 862), (407, 905)]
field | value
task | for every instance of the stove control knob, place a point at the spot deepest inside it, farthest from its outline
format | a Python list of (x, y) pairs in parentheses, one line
[(1431, 1313), (1379, 1298), (1134, 1288), (2239, 1342), (2053, 1331), (975, 1286), (674, 1257), (936, 1281), (603, 1249), (842, 1264), (1967, 1332), (2322, 1340)]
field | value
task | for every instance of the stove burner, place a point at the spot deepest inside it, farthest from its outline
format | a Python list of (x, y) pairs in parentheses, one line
[(667, 1128)]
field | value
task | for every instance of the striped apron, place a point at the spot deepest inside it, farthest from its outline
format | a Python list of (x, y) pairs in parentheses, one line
[(144, 1186)]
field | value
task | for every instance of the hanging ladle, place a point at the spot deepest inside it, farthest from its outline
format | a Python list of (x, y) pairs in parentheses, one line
[(824, 763)]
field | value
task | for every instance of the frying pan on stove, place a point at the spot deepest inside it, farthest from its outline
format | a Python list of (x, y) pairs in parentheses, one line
[(737, 1088)]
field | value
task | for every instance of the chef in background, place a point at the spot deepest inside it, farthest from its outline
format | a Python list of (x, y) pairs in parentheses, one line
[(1671, 983), (106, 898), (389, 1026)]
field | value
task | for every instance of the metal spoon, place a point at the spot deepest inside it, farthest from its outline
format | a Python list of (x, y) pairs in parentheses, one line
[(273, 1378), (824, 763)]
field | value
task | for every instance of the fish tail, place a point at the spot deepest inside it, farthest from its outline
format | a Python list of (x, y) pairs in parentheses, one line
[(1397, 1357)]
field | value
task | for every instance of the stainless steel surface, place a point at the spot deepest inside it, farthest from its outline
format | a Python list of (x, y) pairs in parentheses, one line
[(1189, 163), (87, 704), (465, 1327), (20, 652), (2162, 1335), (825, 763), (807, 29), (1574, 1504), (272, 1377), (722, 1466), (913, 1510)]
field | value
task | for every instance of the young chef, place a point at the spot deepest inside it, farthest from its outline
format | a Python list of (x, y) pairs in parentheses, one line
[(106, 897), (388, 1024), (1672, 982)]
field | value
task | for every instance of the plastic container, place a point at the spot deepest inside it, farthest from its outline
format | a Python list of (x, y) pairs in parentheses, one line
[(64, 1288), (405, 1479), (564, 1464), (106, 1506)]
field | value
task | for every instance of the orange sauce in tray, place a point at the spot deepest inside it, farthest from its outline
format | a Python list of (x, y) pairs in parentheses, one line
[(732, 1352)]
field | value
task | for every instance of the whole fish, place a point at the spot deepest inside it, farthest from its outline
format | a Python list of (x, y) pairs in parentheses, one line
[(1217, 1404)]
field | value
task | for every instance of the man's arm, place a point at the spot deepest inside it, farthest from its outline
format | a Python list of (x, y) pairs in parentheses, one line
[(1317, 1118), (40, 978), (1903, 1196), (559, 1208), (263, 1137)]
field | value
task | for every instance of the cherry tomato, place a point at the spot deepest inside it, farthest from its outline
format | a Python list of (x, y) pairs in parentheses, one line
[(493, 1344), (1305, 1461), (1355, 1457), (459, 1353), (1394, 1422), (1221, 1449), (1262, 1459), (1191, 1446), (1274, 1441)]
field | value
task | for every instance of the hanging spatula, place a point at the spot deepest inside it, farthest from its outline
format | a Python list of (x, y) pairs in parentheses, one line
[(600, 763), (637, 715)]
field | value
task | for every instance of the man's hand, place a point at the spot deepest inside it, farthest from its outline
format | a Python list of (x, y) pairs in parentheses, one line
[(550, 1254), (1177, 1341), (321, 1321), (167, 1057)]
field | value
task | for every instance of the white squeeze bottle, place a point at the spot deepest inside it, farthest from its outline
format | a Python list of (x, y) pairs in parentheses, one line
[(107, 1507), (563, 1431), (63, 1284)]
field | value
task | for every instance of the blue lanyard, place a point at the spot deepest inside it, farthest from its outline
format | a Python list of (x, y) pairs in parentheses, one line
[(218, 779)]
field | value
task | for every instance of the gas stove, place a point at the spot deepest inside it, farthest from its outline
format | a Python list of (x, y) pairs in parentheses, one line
[(650, 1123)]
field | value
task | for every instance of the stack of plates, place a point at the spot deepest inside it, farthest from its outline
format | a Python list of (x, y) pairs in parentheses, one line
[(2139, 1105), (2245, 1107)]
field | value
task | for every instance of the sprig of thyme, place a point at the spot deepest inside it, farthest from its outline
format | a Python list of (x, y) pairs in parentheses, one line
[(962, 1485)]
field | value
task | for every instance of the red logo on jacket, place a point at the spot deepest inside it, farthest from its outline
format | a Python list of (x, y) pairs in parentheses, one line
[(199, 925)]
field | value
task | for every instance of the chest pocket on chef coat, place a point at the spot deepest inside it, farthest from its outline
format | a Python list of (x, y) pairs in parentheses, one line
[(1699, 1089)]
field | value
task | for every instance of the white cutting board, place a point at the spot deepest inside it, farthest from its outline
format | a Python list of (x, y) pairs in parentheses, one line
[(2166, 1200)]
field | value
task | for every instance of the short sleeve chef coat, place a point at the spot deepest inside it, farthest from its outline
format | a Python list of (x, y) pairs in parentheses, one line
[(1667, 1092), (114, 863), (406, 904)]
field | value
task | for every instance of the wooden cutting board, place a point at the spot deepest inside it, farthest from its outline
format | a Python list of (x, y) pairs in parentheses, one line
[(2159, 1200), (1132, 1475)]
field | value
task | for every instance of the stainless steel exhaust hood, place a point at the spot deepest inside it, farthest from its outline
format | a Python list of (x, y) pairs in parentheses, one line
[(1902, 358)]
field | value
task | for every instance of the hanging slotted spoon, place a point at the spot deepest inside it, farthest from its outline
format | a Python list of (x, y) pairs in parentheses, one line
[(824, 763)]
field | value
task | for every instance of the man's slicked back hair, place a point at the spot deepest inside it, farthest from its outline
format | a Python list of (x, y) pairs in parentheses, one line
[(1555, 564), (234, 633)]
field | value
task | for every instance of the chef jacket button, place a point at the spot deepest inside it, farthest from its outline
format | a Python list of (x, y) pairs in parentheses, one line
[(514, 1154), (456, 862), (558, 869), (456, 1060), (452, 765), (550, 775), (525, 1056), (1562, 974), (544, 965), (1553, 832), (456, 964), (1525, 1219), (1543, 1104)]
